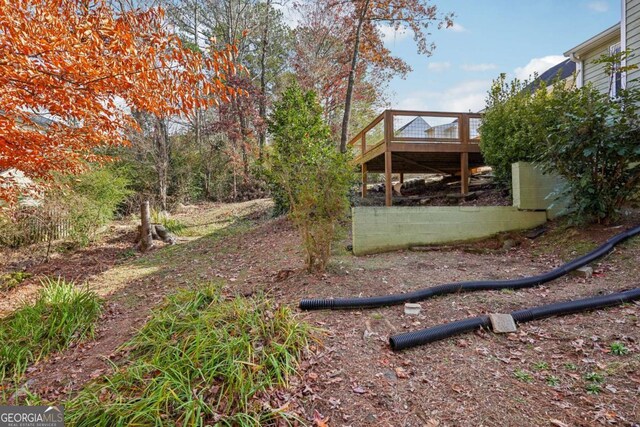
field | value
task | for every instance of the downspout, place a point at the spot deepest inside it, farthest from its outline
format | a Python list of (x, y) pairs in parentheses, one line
[(623, 42), (579, 69)]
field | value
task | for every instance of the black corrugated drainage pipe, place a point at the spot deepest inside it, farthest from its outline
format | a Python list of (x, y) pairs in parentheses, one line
[(422, 294), (425, 336)]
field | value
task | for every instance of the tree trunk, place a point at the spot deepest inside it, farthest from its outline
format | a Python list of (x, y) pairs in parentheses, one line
[(244, 132), (146, 238), (263, 80), (162, 160), (197, 122), (352, 79)]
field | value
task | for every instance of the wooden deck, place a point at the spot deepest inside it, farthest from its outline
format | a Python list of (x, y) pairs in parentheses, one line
[(399, 141)]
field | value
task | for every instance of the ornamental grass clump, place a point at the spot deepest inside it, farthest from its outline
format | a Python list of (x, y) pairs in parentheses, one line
[(62, 314), (202, 359)]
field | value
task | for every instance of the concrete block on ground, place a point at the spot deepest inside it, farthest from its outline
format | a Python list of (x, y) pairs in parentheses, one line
[(583, 272), (412, 309), (502, 323)]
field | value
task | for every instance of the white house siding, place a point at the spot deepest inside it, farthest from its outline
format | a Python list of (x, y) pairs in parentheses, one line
[(633, 39), (594, 73)]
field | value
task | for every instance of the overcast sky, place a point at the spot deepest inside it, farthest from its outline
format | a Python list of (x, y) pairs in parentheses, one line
[(490, 37)]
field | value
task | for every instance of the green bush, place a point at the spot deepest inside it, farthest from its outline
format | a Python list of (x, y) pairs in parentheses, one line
[(307, 167), (594, 146), (585, 136), (11, 280), (62, 314), (88, 201), (514, 125), (76, 207)]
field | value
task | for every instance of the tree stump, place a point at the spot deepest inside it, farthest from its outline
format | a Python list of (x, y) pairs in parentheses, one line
[(146, 235)]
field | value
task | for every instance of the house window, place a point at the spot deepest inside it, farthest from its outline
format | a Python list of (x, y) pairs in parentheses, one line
[(616, 76)]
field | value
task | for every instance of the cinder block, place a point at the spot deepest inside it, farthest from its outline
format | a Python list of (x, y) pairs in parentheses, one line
[(502, 323), (412, 309)]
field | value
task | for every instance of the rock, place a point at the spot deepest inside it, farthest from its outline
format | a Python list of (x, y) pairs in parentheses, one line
[(371, 419), (459, 196), (389, 374), (536, 232), (583, 272), (455, 196), (509, 244), (368, 334), (412, 309), (502, 323)]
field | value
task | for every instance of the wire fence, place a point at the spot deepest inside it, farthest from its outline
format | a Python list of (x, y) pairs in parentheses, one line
[(34, 225), (422, 127)]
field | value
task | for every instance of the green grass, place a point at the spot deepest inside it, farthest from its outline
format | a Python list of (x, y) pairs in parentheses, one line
[(172, 225), (552, 380), (593, 388), (618, 348), (62, 314), (594, 377), (594, 381), (523, 376), (541, 366), (201, 360)]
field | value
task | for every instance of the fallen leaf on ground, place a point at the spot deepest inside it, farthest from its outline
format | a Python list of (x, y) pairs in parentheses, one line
[(319, 421), (401, 372), (358, 390)]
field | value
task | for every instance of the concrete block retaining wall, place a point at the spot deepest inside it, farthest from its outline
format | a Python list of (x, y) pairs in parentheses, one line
[(379, 229)]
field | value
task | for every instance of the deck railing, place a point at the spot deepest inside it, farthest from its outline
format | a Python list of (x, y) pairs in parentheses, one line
[(418, 132), (414, 127)]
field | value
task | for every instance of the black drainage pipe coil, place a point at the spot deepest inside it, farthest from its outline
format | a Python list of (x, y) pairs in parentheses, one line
[(422, 294), (436, 333)]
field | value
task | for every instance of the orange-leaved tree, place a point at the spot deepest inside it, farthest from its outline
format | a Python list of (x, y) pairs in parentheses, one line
[(71, 72)]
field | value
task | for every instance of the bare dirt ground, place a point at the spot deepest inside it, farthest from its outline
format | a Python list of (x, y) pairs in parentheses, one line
[(535, 377)]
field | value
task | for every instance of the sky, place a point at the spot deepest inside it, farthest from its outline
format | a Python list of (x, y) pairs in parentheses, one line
[(489, 37)]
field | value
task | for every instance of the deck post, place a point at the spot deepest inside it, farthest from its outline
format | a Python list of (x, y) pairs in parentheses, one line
[(363, 141), (388, 188), (464, 155), (364, 180), (464, 172), (388, 135)]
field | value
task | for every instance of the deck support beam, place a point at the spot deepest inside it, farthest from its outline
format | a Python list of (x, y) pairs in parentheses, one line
[(388, 136)]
